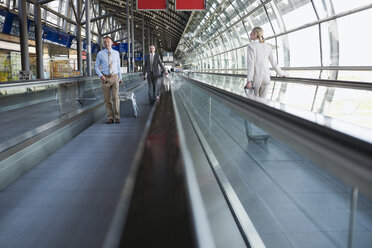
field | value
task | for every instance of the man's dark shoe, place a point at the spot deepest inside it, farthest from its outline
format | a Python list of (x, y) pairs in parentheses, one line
[(117, 121), (110, 121)]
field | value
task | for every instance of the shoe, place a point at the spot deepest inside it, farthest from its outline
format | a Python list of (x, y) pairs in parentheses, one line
[(110, 121), (117, 121)]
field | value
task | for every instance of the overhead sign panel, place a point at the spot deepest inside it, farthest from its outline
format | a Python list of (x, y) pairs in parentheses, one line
[(183, 5), (152, 4)]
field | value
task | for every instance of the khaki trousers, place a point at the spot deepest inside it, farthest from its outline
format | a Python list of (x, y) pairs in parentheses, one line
[(111, 87)]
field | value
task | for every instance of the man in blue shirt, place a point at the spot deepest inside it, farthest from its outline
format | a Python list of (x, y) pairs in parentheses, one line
[(108, 69)]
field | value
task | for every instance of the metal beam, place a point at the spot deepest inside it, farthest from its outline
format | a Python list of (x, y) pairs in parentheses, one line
[(102, 16), (39, 42), (73, 9), (41, 2), (58, 14), (100, 27), (78, 39), (128, 36), (95, 15), (68, 11), (113, 31), (143, 40), (82, 14), (175, 31), (87, 38), (22, 14), (132, 17)]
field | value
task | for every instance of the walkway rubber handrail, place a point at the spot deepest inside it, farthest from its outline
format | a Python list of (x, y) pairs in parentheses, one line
[(39, 82), (310, 81)]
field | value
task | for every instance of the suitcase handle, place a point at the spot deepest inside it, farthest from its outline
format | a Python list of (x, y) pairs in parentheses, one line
[(123, 87)]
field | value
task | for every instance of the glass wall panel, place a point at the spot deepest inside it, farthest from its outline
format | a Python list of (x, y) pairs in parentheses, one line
[(341, 6), (360, 76), (354, 106), (230, 15), (242, 32), (355, 39), (249, 5), (219, 61), (274, 18), (259, 18), (226, 41), (53, 5), (281, 49), (231, 57), (225, 60), (209, 63), (216, 43), (303, 73), (326, 33), (296, 13), (304, 47), (233, 37), (241, 57)]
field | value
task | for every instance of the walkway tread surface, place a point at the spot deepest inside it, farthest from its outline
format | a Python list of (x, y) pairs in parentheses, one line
[(68, 200)]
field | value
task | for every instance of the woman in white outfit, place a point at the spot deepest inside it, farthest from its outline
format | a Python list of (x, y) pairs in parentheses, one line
[(259, 54)]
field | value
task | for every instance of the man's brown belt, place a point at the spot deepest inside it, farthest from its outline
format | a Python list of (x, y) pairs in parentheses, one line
[(108, 76)]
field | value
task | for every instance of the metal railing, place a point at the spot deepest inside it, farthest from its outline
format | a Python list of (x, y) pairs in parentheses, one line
[(310, 81), (41, 82)]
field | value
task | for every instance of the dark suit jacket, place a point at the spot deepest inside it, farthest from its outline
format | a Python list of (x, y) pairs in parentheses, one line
[(155, 67)]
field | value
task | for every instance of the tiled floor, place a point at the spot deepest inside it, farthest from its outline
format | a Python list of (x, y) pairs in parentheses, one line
[(68, 200)]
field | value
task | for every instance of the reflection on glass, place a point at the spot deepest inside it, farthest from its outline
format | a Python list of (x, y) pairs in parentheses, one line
[(350, 105), (291, 201), (67, 98)]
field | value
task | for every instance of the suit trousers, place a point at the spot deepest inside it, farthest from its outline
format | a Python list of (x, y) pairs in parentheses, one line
[(261, 85), (152, 87), (111, 87)]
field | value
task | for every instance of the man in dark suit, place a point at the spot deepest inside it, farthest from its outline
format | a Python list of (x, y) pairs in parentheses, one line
[(151, 67)]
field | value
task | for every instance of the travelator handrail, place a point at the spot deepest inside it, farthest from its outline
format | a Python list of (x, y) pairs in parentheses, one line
[(342, 149), (309, 81), (301, 68), (40, 82)]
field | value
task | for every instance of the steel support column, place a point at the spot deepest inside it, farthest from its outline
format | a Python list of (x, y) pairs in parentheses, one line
[(143, 40), (78, 39), (100, 27), (132, 17), (87, 37), (39, 42), (128, 35), (148, 35), (22, 14)]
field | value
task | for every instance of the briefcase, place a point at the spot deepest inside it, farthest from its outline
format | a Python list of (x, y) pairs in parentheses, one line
[(128, 104)]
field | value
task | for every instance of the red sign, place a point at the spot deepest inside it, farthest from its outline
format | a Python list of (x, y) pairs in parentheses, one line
[(190, 4), (152, 4)]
